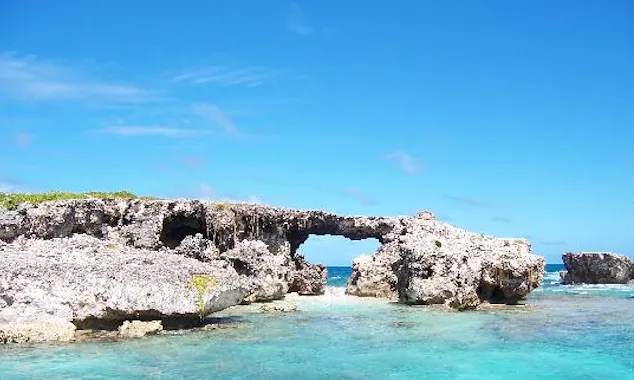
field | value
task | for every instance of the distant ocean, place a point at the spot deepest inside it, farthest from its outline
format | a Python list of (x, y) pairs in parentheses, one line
[(564, 332)]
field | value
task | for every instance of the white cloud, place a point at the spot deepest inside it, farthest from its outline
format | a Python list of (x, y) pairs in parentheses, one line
[(469, 201), (250, 76), (405, 161), (23, 140), (213, 113), (30, 78), (194, 161), (297, 23), (205, 192), (153, 130), (358, 194)]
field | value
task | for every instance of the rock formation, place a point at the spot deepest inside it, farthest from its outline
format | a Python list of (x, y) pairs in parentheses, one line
[(97, 263), (597, 268), (138, 329), (308, 278), (431, 262)]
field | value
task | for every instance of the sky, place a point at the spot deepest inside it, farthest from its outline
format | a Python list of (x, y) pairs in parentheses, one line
[(513, 119)]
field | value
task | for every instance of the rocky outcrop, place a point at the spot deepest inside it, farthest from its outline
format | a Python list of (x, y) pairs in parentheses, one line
[(278, 307), (308, 279), (96, 284), (435, 263), (138, 329), (597, 268), (101, 262), (37, 332)]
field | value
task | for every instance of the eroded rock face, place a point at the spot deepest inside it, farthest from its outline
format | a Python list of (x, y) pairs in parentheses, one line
[(308, 279), (115, 260), (82, 277), (435, 263), (37, 332), (597, 268), (138, 329), (270, 272)]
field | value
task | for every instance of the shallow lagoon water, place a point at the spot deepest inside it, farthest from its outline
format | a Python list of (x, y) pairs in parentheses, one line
[(565, 332)]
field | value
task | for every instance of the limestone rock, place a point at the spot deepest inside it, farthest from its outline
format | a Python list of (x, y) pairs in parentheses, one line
[(197, 247), (138, 329), (79, 278), (37, 332), (141, 254), (278, 307), (435, 263), (597, 268), (308, 279), (375, 276), (269, 271)]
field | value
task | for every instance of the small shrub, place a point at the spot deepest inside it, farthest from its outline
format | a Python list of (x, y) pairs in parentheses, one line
[(438, 243), (200, 283)]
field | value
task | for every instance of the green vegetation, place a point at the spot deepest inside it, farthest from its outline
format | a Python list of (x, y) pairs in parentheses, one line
[(12, 200), (200, 283), (438, 243)]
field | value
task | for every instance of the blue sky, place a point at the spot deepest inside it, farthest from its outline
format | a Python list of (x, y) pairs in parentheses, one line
[(507, 118)]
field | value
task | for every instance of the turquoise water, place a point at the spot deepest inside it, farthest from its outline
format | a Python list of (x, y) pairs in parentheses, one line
[(566, 332)]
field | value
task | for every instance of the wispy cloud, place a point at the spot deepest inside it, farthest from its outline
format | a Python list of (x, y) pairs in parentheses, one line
[(213, 113), (23, 140), (193, 161), (30, 78), (263, 179), (206, 192), (250, 76), (153, 130), (358, 195), (405, 161), (469, 202), (501, 219), (296, 21)]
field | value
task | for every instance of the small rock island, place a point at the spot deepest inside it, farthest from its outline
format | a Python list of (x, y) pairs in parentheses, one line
[(106, 263), (597, 268)]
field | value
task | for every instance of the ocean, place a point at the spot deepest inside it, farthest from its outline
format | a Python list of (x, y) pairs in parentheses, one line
[(564, 332)]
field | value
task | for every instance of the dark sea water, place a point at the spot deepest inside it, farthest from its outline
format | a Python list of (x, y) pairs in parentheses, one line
[(565, 332), (338, 276)]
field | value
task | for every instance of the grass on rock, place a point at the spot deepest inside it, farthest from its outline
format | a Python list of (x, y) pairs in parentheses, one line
[(11, 201)]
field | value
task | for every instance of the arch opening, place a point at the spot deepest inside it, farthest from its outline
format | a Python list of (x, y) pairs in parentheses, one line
[(337, 254)]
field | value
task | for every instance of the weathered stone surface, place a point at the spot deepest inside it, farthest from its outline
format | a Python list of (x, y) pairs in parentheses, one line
[(597, 268), (79, 278), (37, 332), (127, 259), (270, 272), (435, 263), (376, 276), (308, 279), (138, 329), (278, 307)]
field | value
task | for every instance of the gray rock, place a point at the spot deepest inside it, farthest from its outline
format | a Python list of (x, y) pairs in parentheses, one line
[(80, 278), (278, 307), (308, 279), (597, 268), (138, 329), (120, 259), (435, 263), (270, 272), (37, 332)]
